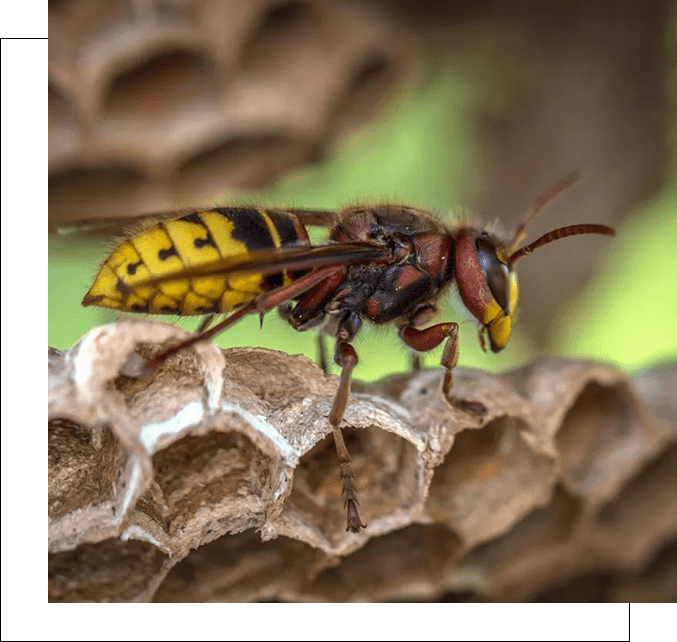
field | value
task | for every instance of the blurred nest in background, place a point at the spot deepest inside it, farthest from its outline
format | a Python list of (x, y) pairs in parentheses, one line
[(161, 105)]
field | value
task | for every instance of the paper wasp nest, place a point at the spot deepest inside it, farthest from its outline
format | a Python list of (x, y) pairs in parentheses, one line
[(217, 479), (159, 105)]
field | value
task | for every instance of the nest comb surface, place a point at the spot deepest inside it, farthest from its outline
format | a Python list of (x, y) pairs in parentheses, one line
[(217, 479), (157, 106)]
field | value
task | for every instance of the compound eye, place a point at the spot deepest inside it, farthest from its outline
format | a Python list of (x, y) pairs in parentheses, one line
[(495, 272)]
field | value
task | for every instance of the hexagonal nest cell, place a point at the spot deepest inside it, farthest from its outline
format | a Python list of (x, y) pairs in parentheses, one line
[(216, 479), (197, 98)]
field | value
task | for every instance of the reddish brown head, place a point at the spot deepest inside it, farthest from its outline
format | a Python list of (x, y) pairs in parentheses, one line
[(484, 267)]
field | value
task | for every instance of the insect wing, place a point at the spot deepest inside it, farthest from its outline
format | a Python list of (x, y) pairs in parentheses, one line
[(285, 259), (116, 226), (215, 261), (128, 225)]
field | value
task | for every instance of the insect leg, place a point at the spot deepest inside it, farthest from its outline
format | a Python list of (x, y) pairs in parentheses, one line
[(322, 353), (269, 300), (155, 362), (429, 338), (205, 323), (262, 304), (346, 357)]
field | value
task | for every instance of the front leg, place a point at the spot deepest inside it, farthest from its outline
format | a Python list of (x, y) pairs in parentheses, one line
[(429, 338)]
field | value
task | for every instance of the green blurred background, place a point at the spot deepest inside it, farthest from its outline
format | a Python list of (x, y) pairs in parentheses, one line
[(425, 149)]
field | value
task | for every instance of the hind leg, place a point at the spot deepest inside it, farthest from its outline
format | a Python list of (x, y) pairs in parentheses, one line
[(261, 304)]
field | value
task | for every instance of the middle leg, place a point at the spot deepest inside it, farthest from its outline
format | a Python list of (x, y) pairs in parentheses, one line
[(323, 362), (346, 357)]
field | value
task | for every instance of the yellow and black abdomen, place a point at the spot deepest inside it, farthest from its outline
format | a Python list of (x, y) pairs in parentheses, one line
[(151, 270)]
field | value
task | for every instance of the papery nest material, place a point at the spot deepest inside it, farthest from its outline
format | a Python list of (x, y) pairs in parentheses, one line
[(228, 452)]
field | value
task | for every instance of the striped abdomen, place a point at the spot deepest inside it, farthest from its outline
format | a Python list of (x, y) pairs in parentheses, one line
[(162, 253)]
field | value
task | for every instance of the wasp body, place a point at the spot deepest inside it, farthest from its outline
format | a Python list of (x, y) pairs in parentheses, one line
[(386, 263), (160, 255)]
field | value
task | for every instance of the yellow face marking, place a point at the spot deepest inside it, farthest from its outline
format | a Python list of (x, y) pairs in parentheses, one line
[(497, 322), (514, 292), (499, 332), (491, 311)]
